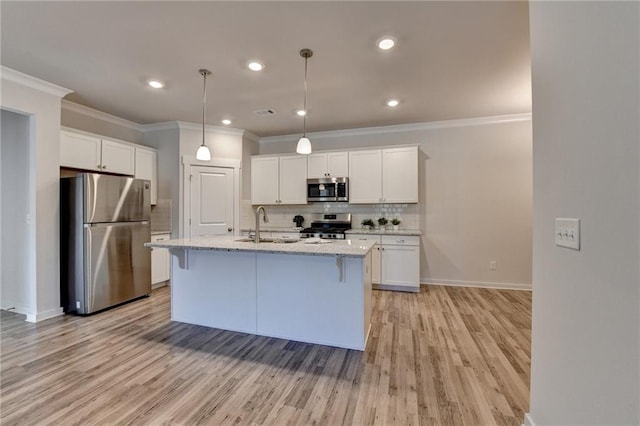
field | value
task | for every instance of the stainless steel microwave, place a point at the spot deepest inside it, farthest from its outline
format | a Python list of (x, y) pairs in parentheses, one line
[(328, 189)]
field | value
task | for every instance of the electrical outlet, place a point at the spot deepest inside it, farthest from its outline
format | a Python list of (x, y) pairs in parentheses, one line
[(493, 265), (567, 233)]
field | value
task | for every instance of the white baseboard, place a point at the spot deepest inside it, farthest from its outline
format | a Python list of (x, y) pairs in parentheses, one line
[(479, 284), (14, 307), (41, 316), (528, 420)]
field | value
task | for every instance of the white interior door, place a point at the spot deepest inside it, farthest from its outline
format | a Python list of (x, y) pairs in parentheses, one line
[(211, 194)]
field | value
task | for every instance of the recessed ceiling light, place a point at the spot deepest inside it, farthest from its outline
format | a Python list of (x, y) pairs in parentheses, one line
[(301, 112), (386, 43), (255, 66), (156, 84), (226, 122), (392, 102)]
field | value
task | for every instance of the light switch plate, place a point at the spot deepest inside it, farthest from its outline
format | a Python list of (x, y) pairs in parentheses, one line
[(567, 233)]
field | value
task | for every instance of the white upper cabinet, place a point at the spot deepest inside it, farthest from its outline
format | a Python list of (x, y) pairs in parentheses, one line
[(147, 168), (92, 152), (265, 180), (365, 176), (118, 157), (293, 182), (279, 180), (400, 175), (328, 164), (80, 151), (384, 176)]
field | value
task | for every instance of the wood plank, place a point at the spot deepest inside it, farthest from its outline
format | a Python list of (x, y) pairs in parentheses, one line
[(444, 356)]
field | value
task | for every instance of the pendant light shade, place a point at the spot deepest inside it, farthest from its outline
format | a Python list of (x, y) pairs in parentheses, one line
[(304, 144), (203, 153)]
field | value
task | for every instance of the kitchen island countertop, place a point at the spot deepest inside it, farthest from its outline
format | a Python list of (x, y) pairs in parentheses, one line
[(225, 243)]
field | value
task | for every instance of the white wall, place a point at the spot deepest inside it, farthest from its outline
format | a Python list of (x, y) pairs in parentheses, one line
[(475, 194), (41, 100), (17, 263), (167, 141), (586, 156)]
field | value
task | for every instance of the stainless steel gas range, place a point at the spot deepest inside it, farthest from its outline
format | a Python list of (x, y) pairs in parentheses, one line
[(328, 226)]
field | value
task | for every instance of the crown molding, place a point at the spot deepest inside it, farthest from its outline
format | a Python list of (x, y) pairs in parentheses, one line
[(251, 136), (164, 125), (398, 128), (26, 80), (99, 115), (186, 125)]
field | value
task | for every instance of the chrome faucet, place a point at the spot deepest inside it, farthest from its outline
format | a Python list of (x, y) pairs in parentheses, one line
[(266, 219)]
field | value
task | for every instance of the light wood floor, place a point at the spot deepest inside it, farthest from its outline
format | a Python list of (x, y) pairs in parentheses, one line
[(450, 356)]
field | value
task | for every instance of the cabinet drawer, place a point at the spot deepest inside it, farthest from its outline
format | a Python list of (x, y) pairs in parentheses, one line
[(401, 240), (160, 237), (366, 237)]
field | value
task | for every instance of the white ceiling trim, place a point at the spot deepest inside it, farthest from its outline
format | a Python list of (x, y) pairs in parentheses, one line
[(99, 115), (185, 125), (251, 136), (14, 76), (398, 128), (164, 125)]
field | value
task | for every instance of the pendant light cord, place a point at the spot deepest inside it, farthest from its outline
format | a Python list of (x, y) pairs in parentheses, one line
[(304, 118), (204, 102)]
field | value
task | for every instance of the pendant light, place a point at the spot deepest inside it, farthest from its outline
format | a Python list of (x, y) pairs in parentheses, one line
[(203, 153), (304, 144)]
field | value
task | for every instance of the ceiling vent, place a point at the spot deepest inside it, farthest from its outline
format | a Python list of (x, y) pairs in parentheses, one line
[(264, 112)]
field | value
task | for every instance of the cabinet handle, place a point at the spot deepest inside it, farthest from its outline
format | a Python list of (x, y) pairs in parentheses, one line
[(159, 239), (104, 167), (229, 229), (399, 241), (99, 166)]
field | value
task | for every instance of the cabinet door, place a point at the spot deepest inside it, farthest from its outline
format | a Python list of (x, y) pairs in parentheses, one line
[(118, 157), (338, 164), (79, 151), (293, 181), (400, 175), (401, 266), (264, 180), (146, 168), (160, 261), (375, 254), (317, 165), (365, 177)]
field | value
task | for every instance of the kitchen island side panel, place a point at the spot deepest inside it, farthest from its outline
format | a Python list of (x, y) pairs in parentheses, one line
[(314, 299), (215, 289)]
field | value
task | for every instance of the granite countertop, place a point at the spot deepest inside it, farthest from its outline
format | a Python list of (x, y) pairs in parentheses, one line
[(226, 243), (414, 232)]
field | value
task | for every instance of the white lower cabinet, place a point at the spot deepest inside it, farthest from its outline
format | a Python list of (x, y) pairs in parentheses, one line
[(160, 262), (400, 262), (395, 261)]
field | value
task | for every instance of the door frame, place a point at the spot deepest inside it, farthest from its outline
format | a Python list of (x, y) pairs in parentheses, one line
[(185, 200)]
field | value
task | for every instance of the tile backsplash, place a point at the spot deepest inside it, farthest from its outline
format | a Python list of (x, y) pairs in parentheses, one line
[(161, 216), (282, 216)]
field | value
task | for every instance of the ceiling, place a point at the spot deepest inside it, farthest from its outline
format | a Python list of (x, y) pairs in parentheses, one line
[(452, 59)]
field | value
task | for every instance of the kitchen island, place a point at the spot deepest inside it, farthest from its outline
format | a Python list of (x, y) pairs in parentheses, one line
[(315, 293)]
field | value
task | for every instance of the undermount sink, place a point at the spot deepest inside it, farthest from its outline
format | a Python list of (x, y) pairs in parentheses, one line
[(267, 240)]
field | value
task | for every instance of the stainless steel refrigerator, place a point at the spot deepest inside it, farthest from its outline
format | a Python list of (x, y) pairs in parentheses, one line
[(104, 225)]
